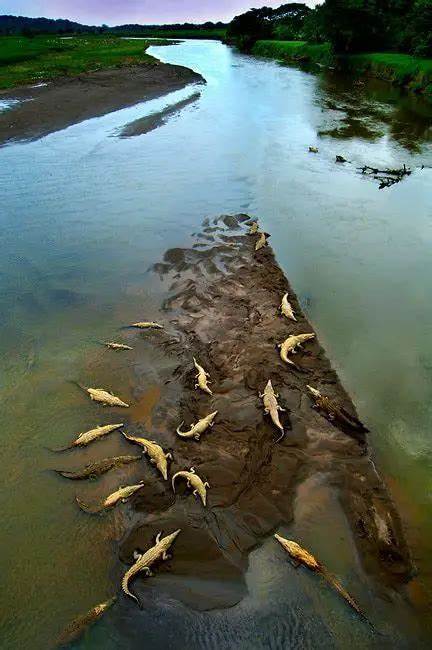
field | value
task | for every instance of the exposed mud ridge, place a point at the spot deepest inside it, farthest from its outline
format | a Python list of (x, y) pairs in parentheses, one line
[(223, 308), (65, 101)]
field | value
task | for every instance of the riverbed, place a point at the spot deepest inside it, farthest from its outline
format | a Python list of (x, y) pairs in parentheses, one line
[(86, 213)]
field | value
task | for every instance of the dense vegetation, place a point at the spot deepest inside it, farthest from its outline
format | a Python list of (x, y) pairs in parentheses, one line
[(348, 25), (19, 25), (32, 60)]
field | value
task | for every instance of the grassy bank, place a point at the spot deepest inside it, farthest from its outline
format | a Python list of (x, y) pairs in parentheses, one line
[(403, 70), (33, 60)]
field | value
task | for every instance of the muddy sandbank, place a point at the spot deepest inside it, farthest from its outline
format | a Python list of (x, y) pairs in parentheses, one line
[(155, 120), (223, 309), (66, 101)]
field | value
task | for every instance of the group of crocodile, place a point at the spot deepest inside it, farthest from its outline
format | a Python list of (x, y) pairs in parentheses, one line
[(159, 457)]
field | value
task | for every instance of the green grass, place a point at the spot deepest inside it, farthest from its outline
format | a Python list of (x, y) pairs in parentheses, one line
[(33, 60), (293, 51), (411, 72), (404, 70)]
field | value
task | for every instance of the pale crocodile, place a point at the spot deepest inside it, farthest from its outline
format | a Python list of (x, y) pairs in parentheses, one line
[(261, 241), (112, 345), (99, 467), (79, 625), (301, 556), (146, 560), (194, 481), (202, 378), (122, 494), (199, 428), (154, 451), (291, 343), (144, 325), (286, 309), (104, 397), (334, 412), (86, 437), (271, 407)]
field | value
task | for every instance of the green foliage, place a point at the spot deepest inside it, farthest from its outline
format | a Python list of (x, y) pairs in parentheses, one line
[(30, 61), (284, 23), (349, 25), (294, 51)]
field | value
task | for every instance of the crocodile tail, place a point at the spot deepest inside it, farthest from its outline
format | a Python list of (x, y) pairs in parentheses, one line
[(282, 435), (72, 475), (173, 482), (76, 383), (333, 582), (354, 421), (180, 433), (58, 449), (126, 590), (85, 508)]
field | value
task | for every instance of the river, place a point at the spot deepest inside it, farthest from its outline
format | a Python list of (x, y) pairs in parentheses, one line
[(85, 213)]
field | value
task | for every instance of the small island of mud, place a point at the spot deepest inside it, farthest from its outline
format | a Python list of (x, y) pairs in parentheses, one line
[(222, 308), (50, 107)]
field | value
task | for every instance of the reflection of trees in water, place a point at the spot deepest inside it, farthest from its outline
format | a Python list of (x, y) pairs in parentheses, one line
[(371, 109)]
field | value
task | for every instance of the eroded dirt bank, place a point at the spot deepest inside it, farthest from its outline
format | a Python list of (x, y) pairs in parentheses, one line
[(223, 309), (63, 102)]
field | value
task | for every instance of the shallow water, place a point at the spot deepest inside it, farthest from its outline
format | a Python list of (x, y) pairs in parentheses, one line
[(83, 216)]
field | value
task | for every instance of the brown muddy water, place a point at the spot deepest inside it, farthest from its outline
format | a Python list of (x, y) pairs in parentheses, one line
[(85, 215)]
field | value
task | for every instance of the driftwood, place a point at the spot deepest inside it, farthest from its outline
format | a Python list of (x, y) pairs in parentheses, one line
[(386, 177)]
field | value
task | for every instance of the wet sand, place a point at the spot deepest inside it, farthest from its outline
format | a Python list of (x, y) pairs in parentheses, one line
[(63, 102), (223, 309), (155, 120)]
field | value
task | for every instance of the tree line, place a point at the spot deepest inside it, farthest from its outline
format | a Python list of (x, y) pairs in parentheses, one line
[(22, 26), (349, 25)]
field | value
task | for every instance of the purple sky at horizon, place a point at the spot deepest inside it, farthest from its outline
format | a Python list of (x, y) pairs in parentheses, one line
[(115, 12)]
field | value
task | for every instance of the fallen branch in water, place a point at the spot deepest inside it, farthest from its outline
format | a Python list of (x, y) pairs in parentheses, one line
[(386, 177)]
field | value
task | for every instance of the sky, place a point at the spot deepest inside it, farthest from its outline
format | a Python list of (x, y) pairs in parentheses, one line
[(115, 12)]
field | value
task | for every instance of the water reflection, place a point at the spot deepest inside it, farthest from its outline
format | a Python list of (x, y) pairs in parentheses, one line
[(371, 110)]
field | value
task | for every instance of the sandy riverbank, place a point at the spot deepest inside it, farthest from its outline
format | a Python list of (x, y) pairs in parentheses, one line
[(222, 309), (61, 103)]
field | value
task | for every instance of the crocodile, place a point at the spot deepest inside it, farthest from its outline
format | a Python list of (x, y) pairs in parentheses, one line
[(291, 343), (253, 228), (155, 453), (199, 428), (301, 556), (104, 397), (202, 378), (194, 481), (93, 470), (146, 560), (78, 626), (261, 241), (334, 412), (286, 309), (144, 325), (122, 494), (271, 407), (87, 437), (111, 345)]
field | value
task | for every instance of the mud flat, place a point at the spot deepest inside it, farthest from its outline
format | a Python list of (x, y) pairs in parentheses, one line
[(222, 308), (44, 109)]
